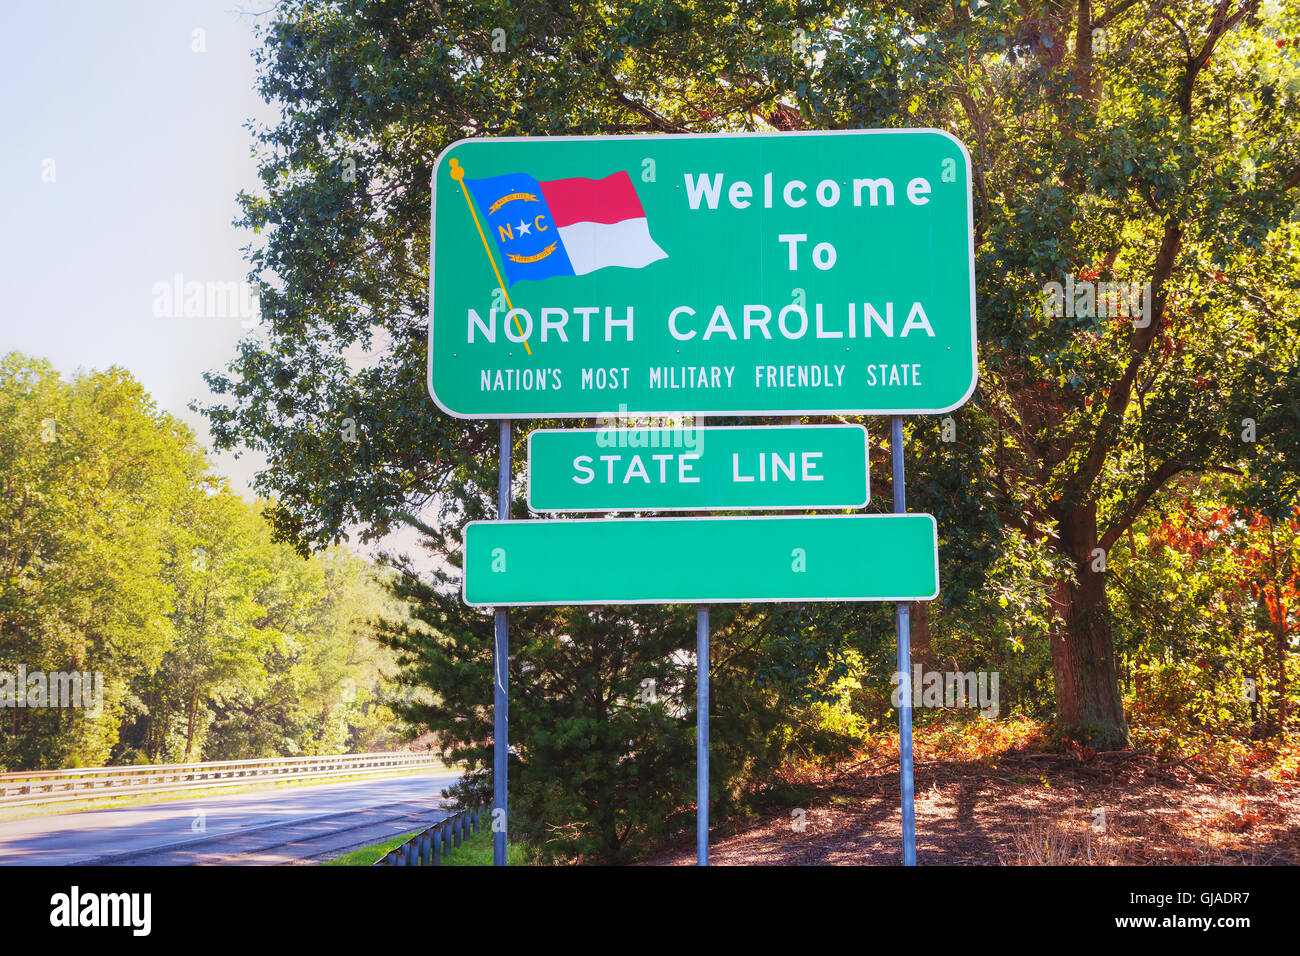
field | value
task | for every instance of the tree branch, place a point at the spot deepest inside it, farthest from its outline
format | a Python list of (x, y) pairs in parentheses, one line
[(1153, 484), (1115, 11)]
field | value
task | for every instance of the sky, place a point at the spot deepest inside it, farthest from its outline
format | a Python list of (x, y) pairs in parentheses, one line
[(125, 149)]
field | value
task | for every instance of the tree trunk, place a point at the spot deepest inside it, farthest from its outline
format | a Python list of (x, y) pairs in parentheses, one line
[(1280, 646), (189, 724), (1277, 617), (166, 722), (920, 633), (1089, 708), (148, 726)]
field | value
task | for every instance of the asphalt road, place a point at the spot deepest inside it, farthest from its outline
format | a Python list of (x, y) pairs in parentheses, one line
[(279, 826)]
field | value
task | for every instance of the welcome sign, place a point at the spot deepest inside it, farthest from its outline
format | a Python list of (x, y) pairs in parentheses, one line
[(732, 274)]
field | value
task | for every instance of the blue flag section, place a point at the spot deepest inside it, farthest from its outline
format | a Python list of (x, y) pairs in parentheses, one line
[(519, 220)]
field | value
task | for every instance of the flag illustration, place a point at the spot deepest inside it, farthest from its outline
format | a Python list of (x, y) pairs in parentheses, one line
[(565, 227)]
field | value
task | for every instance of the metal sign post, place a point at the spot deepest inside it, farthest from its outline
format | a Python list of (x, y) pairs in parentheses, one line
[(702, 735), (902, 622), (653, 275), (501, 665), (701, 727)]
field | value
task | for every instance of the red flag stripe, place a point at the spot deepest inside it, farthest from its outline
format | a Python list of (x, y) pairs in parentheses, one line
[(607, 200)]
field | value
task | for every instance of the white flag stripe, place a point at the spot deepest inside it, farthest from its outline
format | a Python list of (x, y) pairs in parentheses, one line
[(596, 245)]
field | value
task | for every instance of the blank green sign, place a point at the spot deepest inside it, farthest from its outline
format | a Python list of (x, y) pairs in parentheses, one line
[(698, 469), (702, 560)]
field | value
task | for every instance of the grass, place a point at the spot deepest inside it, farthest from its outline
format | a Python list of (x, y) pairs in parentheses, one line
[(369, 854), (1045, 844), (475, 851)]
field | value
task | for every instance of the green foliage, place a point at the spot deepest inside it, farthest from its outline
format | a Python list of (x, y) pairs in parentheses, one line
[(474, 850), (120, 554), (1004, 627), (601, 713), (91, 474), (273, 654), (1207, 622), (1123, 161)]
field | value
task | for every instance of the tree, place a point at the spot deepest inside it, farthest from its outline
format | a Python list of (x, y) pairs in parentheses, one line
[(218, 578), (326, 687), (1105, 156), (90, 475), (1207, 606), (274, 655), (1151, 142), (1118, 154), (122, 557)]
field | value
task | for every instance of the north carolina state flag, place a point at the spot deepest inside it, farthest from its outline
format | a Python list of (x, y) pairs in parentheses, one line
[(565, 227)]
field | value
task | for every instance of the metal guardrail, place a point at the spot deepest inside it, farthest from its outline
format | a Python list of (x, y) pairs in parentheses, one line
[(23, 788), (428, 847)]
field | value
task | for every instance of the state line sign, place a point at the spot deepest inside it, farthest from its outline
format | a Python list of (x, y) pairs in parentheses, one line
[(758, 467), (720, 274)]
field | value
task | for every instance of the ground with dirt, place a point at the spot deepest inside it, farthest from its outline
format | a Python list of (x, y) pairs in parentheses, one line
[(1021, 807)]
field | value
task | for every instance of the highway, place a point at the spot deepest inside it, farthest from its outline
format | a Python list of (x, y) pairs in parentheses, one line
[(288, 825)]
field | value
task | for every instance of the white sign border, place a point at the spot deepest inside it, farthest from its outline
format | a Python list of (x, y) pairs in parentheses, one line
[(718, 413), (464, 583), (866, 457)]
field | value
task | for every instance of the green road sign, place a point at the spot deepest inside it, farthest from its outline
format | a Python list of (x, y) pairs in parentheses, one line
[(698, 469), (702, 560), (738, 274)]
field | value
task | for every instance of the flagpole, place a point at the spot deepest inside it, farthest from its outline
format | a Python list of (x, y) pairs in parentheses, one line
[(458, 174)]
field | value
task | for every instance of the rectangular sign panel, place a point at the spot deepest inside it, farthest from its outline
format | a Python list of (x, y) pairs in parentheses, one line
[(698, 469), (702, 560), (727, 274)]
